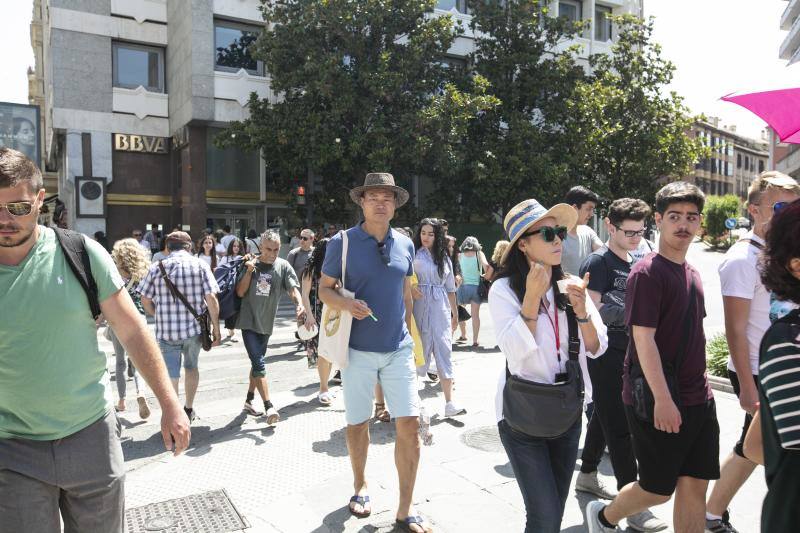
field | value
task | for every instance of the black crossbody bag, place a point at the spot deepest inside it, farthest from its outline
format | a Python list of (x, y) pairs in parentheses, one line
[(644, 402), (542, 410), (203, 320)]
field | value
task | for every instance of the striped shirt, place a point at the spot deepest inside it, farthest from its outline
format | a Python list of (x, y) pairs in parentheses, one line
[(194, 279), (779, 376)]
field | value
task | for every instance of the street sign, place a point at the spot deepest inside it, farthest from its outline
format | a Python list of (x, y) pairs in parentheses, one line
[(730, 223)]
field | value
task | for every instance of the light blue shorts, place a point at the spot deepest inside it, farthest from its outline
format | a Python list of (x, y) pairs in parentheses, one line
[(468, 294), (395, 372), (172, 351)]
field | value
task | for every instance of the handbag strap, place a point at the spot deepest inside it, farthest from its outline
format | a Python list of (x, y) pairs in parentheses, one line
[(344, 255), (175, 292), (755, 244), (687, 326), (574, 346)]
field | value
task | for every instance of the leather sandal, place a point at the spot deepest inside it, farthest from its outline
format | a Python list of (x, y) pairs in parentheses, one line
[(381, 413)]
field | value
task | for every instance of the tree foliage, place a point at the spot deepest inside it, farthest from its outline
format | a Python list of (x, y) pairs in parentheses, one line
[(632, 133), (360, 87), (717, 209)]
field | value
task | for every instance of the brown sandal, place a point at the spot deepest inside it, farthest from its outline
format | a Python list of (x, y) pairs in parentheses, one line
[(381, 413)]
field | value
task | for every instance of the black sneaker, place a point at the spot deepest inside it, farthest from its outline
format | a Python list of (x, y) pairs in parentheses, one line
[(722, 525), (337, 377), (190, 413), (433, 377)]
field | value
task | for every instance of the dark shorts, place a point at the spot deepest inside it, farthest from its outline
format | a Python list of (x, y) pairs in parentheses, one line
[(664, 457), (738, 448), (256, 345)]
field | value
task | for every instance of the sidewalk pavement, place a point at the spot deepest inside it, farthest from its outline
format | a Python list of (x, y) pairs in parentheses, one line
[(296, 476)]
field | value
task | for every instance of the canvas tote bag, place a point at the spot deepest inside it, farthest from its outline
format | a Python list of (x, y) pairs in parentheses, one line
[(334, 331)]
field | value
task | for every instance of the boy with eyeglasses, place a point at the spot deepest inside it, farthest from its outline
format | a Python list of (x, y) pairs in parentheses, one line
[(608, 269), (746, 304)]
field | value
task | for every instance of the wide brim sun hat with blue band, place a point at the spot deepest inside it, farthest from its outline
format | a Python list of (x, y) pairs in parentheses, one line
[(525, 214)]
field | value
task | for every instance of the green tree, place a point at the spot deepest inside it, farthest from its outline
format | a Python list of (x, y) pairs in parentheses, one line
[(717, 209), (519, 148), (631, 132), (360, 87)]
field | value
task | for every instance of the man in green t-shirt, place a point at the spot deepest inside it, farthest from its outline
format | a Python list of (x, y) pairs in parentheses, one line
[(260, 286), (60, 456)]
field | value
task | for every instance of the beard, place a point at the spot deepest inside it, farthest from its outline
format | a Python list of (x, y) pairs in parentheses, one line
[(13, 241)]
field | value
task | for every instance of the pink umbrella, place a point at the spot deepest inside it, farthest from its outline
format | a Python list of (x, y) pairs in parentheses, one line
[(780, 109)]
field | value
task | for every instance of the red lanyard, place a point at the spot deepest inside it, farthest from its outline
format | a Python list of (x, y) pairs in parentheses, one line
[(555, 329)]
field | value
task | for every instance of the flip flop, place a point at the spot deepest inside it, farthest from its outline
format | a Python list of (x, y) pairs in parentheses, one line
[(405, 524), (362, 501)]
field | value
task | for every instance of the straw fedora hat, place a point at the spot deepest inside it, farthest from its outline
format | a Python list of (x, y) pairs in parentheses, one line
[(379, 180), (525, 214)]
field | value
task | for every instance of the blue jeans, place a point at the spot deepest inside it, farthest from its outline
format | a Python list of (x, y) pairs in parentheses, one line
[(256, 345), (172, 351), (543, 468)]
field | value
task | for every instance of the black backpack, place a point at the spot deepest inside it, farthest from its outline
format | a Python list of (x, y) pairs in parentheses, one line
[(74, 247)]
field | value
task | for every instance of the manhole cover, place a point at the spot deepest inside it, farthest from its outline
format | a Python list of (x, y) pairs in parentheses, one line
[(485, 438), (207, 512)]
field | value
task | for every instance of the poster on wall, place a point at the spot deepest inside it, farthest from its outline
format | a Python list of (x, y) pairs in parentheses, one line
[(19, 129)]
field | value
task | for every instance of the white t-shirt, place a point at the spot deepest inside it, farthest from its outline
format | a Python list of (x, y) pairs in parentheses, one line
[(575, 249), (225, 241), (739, 278), (533, 357)]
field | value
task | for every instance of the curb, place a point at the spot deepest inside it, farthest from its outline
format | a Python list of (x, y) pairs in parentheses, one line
[(720, 384)]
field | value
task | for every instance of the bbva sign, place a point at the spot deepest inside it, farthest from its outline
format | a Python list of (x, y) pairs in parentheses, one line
[(141, 143)]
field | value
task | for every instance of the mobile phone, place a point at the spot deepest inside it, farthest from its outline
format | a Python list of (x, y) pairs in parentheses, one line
[(562, 377)]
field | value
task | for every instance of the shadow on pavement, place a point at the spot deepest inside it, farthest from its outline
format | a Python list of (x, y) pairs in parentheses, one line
[(505, 470), (380, 434)]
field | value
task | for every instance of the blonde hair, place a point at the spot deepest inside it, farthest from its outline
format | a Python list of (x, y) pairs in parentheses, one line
[(499, 248), (132, 258), (771, 179)]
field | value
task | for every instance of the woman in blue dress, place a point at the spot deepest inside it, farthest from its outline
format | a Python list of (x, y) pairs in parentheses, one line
[(435, 305)]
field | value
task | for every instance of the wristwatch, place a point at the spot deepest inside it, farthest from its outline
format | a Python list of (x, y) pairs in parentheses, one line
[(583, 320)]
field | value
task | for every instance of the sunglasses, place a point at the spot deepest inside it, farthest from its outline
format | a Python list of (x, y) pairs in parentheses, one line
[(18, 209), (384, 251), (305, 238), (631, 233), (549, 233), (777, 206)]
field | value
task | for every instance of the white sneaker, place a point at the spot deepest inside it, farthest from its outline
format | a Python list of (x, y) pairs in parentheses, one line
[(646, 521), (451, 409), (593, 484), (272, 416), (593, 518)]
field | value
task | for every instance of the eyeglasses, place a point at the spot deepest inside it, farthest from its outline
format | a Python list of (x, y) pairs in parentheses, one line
[(777, 206), (18, 209), (306, 238), (549, 233), (384, 251), (630, 232)]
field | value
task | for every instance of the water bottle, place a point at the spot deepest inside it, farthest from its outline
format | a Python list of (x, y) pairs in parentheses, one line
[(425, 434)]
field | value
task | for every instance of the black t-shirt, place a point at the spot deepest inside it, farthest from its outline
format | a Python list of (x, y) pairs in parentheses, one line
[(608, 275)]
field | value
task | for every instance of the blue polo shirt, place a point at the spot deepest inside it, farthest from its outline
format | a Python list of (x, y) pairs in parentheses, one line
[(376, 283)]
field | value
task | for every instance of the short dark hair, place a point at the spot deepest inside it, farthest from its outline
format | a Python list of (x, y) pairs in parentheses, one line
[(579, 195), (226, 228), (679, 192), (628, 209), (15, 168), (779, 251)]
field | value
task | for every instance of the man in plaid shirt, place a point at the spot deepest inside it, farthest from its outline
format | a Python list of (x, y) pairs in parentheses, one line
[(177, 331)]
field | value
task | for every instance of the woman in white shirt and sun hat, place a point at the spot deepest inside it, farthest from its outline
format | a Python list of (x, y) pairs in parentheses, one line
[(532, 331)]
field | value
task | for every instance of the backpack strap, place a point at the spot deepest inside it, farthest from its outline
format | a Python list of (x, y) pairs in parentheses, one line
[(757, 245), (74, 247), (574, 346), (176, 293)]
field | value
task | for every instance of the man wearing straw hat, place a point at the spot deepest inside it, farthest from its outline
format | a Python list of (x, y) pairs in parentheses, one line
[(379, 261)]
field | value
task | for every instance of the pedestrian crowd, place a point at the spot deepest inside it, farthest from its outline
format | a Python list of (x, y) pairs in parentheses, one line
[(612, 331)]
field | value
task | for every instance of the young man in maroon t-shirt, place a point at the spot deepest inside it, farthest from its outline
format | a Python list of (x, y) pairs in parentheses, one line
[(678, 449)]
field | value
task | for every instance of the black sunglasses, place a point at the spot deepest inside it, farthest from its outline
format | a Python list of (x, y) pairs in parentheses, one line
[(629, 232), (306, 238), (549, 233), (384, 251), (18, 209)]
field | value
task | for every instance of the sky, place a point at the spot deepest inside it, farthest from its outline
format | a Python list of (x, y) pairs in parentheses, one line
[(717, 46)]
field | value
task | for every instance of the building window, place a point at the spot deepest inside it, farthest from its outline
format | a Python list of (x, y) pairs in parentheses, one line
[(447, 5), (760, 166), (571, 10), (135, 65), (232, 42), (738, 160), (231, 168), (602, 24), (746, 163)]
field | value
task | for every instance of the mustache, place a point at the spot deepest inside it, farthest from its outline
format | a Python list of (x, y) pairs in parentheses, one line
[(681, 233), (6, 227)]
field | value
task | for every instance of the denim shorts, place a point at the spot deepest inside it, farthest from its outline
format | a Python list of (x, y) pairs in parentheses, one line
[(172, 351), (468, 294), (256, 345), (395, 372)]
